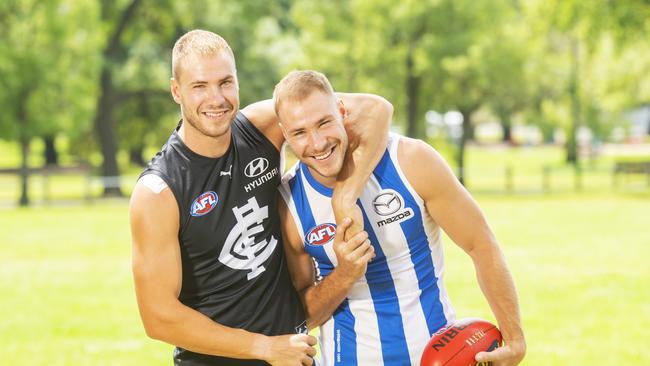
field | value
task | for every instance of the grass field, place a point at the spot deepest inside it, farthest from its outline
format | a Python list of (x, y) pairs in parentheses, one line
[(580, 263), (579, 260)]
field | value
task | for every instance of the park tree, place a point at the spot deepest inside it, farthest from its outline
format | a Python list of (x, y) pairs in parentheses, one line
[(575, 31), (502, 65), (43, 88), (418, 54), (116, 17)]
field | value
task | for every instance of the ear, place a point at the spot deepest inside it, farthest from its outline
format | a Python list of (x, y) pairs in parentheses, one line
[(174, 87), (284, 131), (342, 110)]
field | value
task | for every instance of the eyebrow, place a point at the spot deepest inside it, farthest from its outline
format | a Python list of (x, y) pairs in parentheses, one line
[(225, 78), (300, 129)]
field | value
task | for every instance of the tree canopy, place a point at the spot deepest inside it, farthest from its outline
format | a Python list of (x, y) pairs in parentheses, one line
[(97, 73)]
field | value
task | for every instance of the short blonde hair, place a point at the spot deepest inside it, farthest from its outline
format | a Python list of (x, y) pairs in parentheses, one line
[(298, 85), (197, 42)]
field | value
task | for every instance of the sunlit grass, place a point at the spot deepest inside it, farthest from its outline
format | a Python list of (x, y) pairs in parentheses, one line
[(67, 292), (579, 258), (579, 262)]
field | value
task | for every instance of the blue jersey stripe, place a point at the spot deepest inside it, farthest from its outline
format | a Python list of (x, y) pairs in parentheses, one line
[(307, 221), (318, 186), (388, 177), (345, 337), (384, 296)]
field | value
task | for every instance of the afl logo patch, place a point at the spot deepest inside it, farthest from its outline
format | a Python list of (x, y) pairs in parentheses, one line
[(321, 234), (204, 203), (256, 167)]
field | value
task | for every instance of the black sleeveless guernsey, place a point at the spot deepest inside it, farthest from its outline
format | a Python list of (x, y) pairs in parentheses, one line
[(234, 270)]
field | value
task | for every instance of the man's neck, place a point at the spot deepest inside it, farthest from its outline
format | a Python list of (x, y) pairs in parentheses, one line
[(211, 147), (328, 182)]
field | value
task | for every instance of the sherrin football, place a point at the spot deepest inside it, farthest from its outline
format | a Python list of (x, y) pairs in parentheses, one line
[(458, 343)]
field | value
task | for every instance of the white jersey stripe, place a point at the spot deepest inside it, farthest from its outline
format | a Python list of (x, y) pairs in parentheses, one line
[(386, 303), (432, 231), (389, 314)]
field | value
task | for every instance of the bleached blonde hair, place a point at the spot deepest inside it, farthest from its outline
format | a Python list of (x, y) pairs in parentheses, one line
[(197, 42), (298, 85)]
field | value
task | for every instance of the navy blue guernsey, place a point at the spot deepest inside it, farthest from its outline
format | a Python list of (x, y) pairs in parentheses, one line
[(234, 270)]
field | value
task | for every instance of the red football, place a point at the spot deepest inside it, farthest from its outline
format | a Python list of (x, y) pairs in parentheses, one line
[(458, 343)]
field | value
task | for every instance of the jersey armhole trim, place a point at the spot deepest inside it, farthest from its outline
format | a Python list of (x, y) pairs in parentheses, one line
[(244, 120), (165, 180), (154, 182)]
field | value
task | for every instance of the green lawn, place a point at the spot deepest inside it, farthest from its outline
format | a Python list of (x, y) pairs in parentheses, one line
[(580, 263), (67, 295), (579, 260)]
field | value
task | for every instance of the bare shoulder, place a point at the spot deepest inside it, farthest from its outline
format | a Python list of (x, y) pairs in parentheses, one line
[(424, 167), (151, 210), (262, 116)]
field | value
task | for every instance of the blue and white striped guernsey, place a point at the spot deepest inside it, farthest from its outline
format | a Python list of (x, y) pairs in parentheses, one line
[(390, 314)]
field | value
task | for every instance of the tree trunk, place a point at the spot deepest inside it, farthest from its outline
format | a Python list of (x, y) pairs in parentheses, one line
[(467, 123), (135, 155), (507, 134), (24, 149), (24, 173), (107, 102), (51, 155), (105, 129), (571, 143), (506, 125), (413, 93)]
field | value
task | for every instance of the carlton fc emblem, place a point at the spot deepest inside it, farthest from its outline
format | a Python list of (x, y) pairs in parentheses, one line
[(204, 203)]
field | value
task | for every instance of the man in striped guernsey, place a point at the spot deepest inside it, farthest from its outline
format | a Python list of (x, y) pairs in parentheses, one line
[(380, 311)]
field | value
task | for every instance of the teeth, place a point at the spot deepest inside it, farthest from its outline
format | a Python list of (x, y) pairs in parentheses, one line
[(324, 156), (213, 114)]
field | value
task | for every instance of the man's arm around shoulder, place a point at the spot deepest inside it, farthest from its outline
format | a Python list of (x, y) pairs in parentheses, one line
[(367, 125)]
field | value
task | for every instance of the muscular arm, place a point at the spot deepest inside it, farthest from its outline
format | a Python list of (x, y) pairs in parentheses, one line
[(455, 210), (320, 299), (367, 127), (157, 275)]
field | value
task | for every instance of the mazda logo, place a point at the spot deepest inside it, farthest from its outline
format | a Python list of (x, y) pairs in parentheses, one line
[(256, 167), (387, 203)]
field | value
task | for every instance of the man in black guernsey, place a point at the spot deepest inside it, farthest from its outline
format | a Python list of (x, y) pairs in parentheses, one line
[(208, 262)]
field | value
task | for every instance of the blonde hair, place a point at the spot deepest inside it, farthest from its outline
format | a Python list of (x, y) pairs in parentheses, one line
[(298, 85), (197, 42)]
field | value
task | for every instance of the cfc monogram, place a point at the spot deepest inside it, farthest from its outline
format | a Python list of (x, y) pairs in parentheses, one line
[(241, 250)]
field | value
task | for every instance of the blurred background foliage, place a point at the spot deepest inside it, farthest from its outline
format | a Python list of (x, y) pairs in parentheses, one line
[(86, 82), (542, 100)]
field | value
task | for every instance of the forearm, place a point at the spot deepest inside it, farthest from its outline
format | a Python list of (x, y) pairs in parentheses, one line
[(187, 328), (322, 299), (367, 125), (498, 287)]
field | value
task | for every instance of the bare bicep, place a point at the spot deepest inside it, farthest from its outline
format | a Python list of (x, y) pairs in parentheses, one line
[(156, 262), (299, 262)]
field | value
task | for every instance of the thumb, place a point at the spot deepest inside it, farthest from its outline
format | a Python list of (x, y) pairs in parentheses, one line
[(342, 228), (311, 340), (496, 355)]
